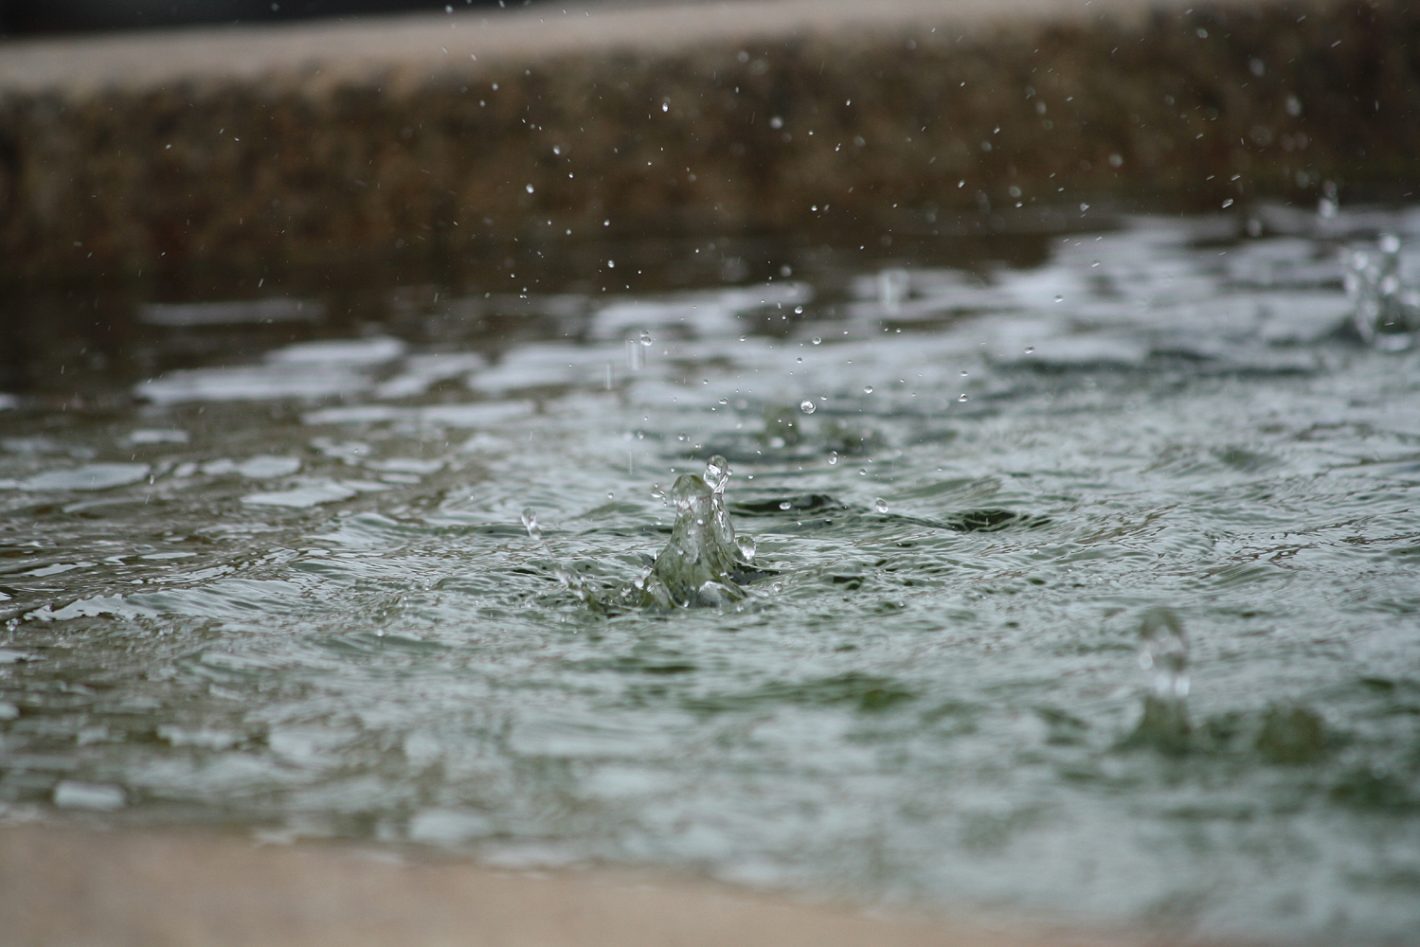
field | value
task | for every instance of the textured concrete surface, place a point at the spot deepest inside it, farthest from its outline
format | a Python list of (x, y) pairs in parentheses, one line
[(274, 148), (78, 888)]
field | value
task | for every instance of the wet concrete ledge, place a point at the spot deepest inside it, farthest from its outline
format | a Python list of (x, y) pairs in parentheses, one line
[(269, 148), (79, 887)]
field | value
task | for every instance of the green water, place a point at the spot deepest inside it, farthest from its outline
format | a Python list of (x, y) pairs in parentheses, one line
[(265, 563)]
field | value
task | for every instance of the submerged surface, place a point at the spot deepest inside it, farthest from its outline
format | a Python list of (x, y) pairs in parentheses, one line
[(311, 567)]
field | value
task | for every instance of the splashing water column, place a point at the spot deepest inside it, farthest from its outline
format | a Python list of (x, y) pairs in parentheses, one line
[(1163, 655)]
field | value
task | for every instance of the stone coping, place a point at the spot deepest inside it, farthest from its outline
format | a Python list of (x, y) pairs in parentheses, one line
[(267, 147), (76, 886)]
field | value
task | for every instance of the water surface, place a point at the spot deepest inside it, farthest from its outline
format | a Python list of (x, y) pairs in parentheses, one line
[(264, 562)]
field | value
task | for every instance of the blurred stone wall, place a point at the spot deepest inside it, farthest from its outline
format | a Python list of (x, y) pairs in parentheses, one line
[(915, 121)]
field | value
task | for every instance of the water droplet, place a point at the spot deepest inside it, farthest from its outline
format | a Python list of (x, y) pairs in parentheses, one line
[(666, 105), (785, 505), (1163, 651), (529, 188), (530, 524), (833, 458), (611, 264), (1227, 203), (962, 397), (747, 547), (817, 341), (880, 505), (867, 389), (808, 407), (717, 473), (645, 339)]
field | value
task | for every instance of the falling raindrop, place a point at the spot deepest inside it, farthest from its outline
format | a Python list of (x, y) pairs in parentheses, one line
[(880, 505), (529, 188), (808, 407), (833, 458), (867, 389), (747, 547), (893, 286), (785, 505)]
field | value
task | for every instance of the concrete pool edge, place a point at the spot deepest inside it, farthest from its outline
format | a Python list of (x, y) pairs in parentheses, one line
[(260, 150), (75, 885)]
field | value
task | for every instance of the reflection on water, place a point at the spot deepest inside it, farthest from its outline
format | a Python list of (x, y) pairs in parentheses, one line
[(335, 563)]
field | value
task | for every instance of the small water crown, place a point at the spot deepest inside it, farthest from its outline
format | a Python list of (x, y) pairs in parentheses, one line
[(704, 563), (1163, 655)]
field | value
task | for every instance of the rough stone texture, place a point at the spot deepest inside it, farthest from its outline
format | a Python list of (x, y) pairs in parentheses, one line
[(258, 148), (63, 886)]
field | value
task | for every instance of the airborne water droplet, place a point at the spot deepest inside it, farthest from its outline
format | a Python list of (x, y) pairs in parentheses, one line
[(880, 505), (808, 407), (747, 547)]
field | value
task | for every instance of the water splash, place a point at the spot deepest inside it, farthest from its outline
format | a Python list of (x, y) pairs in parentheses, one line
[(1163, 654), (530, 524), (1385, 312), (704, 563)]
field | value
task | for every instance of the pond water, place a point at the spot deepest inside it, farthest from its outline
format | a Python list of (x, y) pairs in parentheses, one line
[(317, 562)]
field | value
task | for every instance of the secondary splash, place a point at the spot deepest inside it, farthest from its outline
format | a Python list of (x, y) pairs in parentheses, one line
[(1163, 654), (1385, 312), (703, 564)]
